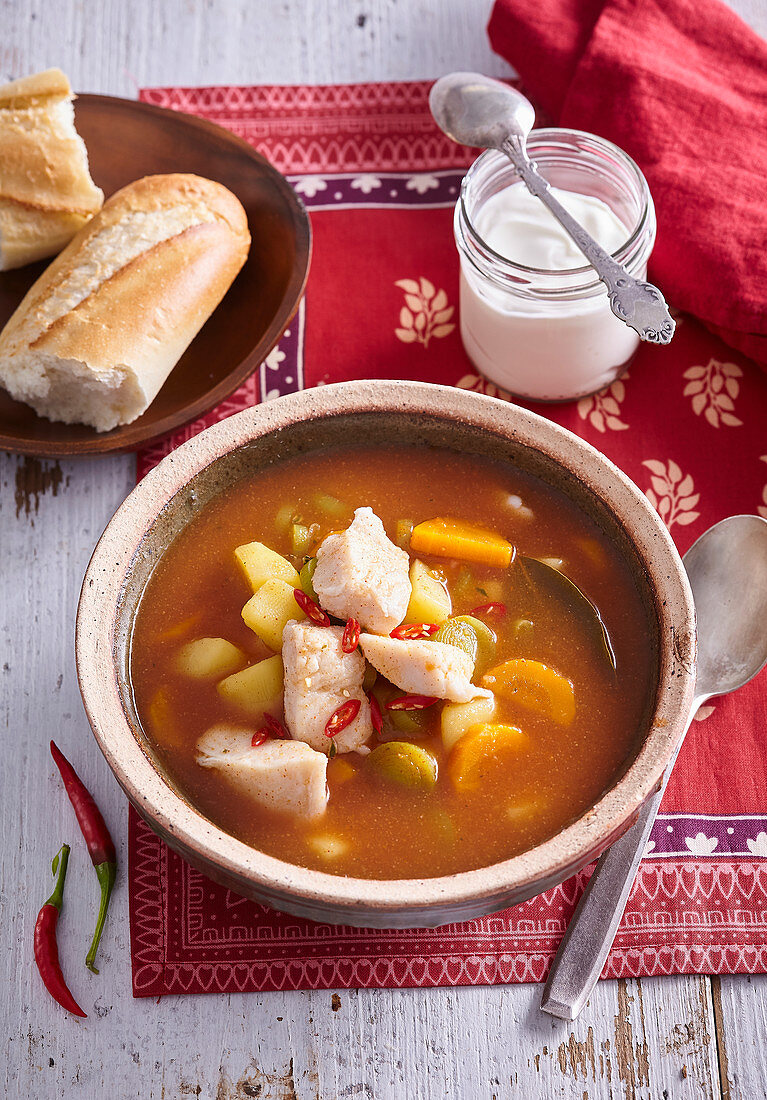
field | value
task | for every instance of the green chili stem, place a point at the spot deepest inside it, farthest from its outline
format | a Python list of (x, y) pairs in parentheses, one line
[(106, 874), (60, 870)]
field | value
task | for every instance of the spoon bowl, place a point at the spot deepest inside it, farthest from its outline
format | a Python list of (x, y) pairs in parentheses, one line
[(727, 568), (476, 110)]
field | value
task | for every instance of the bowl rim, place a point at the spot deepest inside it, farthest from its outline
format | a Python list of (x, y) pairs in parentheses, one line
[(186, 828)]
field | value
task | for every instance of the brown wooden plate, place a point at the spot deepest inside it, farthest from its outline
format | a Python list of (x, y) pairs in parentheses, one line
[(127, 139)]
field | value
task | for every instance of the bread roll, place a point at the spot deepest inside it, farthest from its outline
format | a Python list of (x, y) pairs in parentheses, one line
[(46, 192), (99, 332)]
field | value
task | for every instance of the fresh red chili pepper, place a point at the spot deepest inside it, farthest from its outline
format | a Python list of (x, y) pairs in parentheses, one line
[(342, 717), (375, 714), (276, 728), (259, 737), (414, 630), (351, 636), (498, 609), (411, 702), (46, 946), (99, 843), (311, 609)]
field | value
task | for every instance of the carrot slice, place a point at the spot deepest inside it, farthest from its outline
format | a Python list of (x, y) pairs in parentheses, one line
[(454, 538), (478, 751), (534, 685)]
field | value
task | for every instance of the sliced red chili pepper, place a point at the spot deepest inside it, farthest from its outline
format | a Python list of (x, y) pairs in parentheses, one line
[(97, 839), (259, 737), (375, 713), (46, 947), (311, 609), (342, 717), (351, 636), (414, 630), (275, 728), (411, 702), (498, 609)]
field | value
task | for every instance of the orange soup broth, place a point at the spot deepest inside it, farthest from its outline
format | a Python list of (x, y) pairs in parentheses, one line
[(526, 795)]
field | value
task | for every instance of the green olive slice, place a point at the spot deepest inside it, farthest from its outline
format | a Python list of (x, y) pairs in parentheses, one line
[(405, 764)]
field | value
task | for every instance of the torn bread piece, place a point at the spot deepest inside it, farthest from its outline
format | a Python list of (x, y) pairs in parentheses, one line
[(318, 679), (100, 331), (362, 575), (46, 191), (436, 669), (287, 776)]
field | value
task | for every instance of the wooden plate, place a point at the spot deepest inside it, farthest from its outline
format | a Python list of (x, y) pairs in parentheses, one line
[(126, 140)]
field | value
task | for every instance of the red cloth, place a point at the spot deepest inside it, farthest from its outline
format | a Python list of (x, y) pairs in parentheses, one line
[(681, 85), (687, 424)]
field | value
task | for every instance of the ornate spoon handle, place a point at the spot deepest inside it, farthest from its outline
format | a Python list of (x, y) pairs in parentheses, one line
[(639, 304)]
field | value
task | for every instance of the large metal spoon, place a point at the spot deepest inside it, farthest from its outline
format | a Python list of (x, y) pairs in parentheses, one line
[(727, 568), (475, 110)]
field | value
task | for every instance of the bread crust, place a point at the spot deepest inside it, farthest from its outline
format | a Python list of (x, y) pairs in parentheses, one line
[(46, 192), (141, 317)]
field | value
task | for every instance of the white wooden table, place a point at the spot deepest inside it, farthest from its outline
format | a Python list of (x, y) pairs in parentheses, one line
[(665, 1039)]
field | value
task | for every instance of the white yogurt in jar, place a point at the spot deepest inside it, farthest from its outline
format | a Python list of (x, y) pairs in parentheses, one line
[(530, 320)]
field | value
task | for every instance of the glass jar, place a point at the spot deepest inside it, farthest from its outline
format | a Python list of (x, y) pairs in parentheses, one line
[(550, 335)]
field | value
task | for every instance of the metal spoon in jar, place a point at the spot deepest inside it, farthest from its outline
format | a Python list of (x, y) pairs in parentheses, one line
[(475, 110), (727, 568)]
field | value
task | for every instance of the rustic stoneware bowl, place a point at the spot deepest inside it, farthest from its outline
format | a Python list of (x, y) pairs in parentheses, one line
[(169, 496)]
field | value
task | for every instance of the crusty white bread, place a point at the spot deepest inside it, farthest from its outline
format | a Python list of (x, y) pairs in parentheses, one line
[(46, 192), (99, 332)]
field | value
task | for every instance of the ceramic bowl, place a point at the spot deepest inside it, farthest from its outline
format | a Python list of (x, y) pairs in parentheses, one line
[(408, 412)]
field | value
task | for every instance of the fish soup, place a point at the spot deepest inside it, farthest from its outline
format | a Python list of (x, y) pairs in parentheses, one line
[(392, 662)]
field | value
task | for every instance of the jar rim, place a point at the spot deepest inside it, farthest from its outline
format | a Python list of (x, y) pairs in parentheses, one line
[(559, 132)]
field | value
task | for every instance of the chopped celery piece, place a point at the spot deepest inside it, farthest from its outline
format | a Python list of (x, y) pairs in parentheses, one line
[(402, 533), (301, 538), (286, 515), (305, 577), (414, 722), (332, 506)]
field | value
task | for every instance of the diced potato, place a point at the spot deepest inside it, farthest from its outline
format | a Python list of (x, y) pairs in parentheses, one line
[(479, 749), (259, 564), (209, 658), (328, 845), (257, 689), (429, 599), (458, 718), (267, 612), (534, 685), (454, 538)]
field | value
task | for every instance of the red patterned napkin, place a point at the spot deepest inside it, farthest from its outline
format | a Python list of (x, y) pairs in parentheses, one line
[(681, 85), (687, 424)]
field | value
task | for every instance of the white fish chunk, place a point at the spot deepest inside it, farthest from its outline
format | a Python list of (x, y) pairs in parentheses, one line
[(362, 575), (288, 776), (423, 667), (319, 678)]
